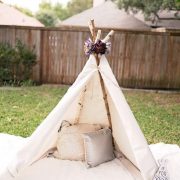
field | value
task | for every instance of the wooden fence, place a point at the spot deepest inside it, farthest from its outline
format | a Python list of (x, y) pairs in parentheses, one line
[(139, 59)]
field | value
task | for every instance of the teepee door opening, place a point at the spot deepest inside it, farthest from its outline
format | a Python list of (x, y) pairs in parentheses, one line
[(94, 94)]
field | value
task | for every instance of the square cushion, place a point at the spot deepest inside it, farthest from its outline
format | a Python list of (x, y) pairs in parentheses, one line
[(70, 145), (98, 147)]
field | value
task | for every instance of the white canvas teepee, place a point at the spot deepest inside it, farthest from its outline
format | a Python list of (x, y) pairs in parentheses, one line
[(88, 102), (126, 131)]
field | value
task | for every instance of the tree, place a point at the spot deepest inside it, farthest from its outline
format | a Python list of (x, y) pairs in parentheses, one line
[(45, 5), (46, 14), (24, 10), (49, 14), (60, 11), (47, 18), (77, 6), (149, 7)]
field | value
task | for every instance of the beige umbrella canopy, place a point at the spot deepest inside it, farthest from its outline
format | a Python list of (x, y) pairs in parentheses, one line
[(107, 15)]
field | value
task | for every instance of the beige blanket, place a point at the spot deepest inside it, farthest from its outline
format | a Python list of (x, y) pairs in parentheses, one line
[(53, 169)]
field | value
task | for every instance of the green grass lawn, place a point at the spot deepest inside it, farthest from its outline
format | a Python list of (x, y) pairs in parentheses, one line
[(23, 109)]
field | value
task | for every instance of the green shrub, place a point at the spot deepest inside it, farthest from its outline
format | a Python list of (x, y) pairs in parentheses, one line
[(7, 56), (16, 63), (27, 58), (26, 83)]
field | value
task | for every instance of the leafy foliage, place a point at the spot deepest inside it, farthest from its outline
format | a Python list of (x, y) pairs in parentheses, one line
[(16, 63), (60, 11), (27, 58), (46, 15), (24, 10), (47, 18), (77, 6), (50, 14), (149, 7), (8, 58)]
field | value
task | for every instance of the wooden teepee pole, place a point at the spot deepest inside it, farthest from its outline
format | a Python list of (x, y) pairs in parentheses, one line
[(92, 30)]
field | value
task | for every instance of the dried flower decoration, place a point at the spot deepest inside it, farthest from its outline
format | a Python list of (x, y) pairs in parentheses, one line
[(98, 48)]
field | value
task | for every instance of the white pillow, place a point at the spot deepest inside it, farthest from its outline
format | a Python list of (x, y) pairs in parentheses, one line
[(70, 145)]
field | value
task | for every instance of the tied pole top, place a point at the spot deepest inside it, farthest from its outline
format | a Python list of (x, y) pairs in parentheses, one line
[(93, 32), (95, 45)]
